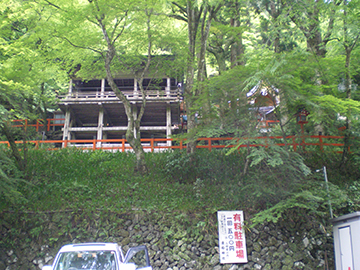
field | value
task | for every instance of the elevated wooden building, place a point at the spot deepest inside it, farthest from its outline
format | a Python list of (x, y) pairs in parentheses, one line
[(92, 110)]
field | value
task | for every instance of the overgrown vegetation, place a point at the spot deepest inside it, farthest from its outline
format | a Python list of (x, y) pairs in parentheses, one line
[(276, 180)]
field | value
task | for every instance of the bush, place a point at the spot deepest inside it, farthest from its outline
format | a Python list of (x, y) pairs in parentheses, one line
[(11, 180)]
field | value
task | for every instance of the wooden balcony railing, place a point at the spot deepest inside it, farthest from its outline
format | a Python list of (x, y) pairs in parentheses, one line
[(130, 94), (308, 143)]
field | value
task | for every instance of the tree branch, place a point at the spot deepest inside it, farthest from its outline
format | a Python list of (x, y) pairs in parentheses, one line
[(81, 47), (122, 30), (178, 17), (51, 4), (182, 9)]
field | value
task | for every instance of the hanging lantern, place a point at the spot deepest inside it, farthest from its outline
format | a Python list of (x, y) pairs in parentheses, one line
[(301, 116)]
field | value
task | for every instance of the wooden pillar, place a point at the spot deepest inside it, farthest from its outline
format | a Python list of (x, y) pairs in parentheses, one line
[(66, 133), (134, 112), (136, 92), (70, 88), (102, 87), (168, 123), (167, 88), (100, 126)]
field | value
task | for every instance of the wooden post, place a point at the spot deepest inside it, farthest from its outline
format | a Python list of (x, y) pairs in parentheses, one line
[(321, 143), (136, 92), (66, 133), (167, 88), (302, 136), (102, 88), (99, 136), (134, 112), (168, 123), (48, 124), (123, 145), (70, 88), (294, 143)]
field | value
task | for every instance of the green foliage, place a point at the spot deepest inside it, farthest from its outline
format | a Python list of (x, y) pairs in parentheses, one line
[(354, 196), (179, 166), (313, 197), (276, 156), (11, 180), (100, 179), (276, 181), (274, 173)]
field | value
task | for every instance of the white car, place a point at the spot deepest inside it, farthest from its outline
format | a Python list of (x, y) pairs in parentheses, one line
[(100, 256)]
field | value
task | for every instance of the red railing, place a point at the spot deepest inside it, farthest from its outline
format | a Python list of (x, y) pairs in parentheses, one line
[(50, 122), (294, 142), (267, 123)]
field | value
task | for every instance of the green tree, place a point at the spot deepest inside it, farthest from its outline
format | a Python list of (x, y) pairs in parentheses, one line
[(29, 79), (308, 16), (349, 40), (98, 38), (198, 16), (226, 35)]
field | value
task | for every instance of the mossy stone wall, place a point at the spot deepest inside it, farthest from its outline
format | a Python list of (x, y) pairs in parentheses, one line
[(176, 241)]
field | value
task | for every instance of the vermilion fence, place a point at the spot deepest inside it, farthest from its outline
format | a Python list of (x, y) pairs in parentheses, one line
[(308, 143), (319, 143), (50, 122)]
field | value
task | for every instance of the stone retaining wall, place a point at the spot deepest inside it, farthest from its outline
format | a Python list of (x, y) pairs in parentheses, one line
[(175, 241)]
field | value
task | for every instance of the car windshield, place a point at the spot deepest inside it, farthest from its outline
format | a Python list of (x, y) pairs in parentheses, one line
[(90, 260)]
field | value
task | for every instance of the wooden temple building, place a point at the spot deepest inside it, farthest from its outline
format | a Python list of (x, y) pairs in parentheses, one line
[(92, 110)]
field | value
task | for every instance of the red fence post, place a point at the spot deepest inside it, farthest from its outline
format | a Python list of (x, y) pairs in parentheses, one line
[(321, 143), (294, 143), (37, 125)]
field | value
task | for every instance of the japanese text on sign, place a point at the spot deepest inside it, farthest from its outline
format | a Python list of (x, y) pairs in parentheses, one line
[(232, 244)]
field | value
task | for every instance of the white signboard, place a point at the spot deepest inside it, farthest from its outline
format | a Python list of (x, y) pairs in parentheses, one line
[(232, 244)]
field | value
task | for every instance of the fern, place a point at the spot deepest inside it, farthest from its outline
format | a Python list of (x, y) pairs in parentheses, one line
[(314, 198)]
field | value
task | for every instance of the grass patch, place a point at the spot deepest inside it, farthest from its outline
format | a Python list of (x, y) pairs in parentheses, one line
[(205, 181), (71, 178)]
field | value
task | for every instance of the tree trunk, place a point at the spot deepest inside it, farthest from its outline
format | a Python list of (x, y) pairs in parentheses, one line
[(237, 48), (20, 161), (196, 17), (349, 45), (310, 26), (133, 128), (192, 22)]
